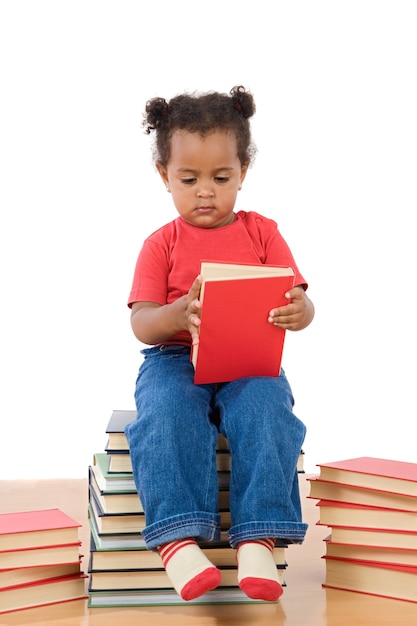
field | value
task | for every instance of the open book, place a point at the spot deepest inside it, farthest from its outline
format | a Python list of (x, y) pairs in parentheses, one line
[(236, 339)]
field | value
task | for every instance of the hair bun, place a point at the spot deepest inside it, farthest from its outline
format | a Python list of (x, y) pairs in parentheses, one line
[(155, 112), (242, 101)]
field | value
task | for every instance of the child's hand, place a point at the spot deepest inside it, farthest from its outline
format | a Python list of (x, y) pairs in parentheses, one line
[(295, 315), (193, 310), (153, 323)]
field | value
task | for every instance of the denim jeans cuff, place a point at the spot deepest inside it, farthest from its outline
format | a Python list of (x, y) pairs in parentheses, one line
[(286, 532), (197, 524)]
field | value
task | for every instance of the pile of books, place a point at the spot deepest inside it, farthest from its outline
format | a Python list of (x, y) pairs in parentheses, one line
[(370, 507), (40, 563), (122, 571)]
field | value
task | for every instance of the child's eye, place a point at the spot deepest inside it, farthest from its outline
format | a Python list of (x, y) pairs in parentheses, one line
[(188, 181), (221, 179)]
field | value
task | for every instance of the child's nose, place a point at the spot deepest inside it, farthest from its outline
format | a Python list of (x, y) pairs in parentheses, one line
[(205, 190)]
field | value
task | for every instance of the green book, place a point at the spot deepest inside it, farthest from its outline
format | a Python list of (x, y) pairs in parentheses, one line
[(110, 481), (166, 597)]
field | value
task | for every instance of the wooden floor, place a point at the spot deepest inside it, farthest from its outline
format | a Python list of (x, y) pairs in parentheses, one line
[(304, 603)]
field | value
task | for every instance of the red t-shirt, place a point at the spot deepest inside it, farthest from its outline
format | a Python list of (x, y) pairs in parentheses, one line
[(170, 258)]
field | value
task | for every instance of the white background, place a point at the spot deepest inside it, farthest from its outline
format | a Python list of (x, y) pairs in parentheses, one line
[(336, 130)]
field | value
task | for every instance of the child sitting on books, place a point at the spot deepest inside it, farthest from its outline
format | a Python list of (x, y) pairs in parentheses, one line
[(202, 151)]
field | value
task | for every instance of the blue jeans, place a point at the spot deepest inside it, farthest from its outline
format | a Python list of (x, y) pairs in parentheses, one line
[(173, 450)]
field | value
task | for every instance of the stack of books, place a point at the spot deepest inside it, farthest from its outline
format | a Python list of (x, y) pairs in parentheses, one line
[(40, 563), (117, 447), (370, 507), (122, 572)]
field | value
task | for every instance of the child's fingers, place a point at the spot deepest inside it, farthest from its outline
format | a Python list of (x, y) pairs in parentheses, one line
[(195, 288)]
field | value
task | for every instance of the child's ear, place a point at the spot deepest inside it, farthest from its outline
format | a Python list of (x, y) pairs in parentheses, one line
[(245, 167), (162, 170)]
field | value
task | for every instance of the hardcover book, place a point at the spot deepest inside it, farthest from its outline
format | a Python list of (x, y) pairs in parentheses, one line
[(218, 553), (375, 554), (42, 593), (45, 555), (341, 492), (31, 529), (370, 537), (389, 581), (114, 501), (111, 523), (120, 463), (166, 597), (115, 429), (152, 579), (107, 481), (374, 473), (25, 575), (235, 337), (113, 541), (117, 448), (359, 515)]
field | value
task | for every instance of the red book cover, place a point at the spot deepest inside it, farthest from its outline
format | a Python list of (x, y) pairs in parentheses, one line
[(396, 567), (43, 593), (388, 474), (17, 576), (382, 467), (29, 529), (345, 514), (375, 554), (342, 492), (29, 521), (236, 339), (44, 555), (372, 578), (391, 538)]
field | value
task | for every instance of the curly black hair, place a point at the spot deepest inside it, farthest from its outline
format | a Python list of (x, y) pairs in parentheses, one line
[(203, 114)]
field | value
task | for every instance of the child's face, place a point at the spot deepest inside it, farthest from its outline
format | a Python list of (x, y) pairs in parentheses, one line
[(204, 175)]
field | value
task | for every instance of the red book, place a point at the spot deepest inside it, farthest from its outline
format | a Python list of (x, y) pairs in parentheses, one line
[(374, 554), (236, 339), (42, 593), (374, 537), (45, 555), (25, 575), (361, 516), (374, 473), (341, 492), (30, 529), (377, 579)]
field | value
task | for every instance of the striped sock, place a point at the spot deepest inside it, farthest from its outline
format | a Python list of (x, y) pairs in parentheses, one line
[(257, 570), (189, 570)]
